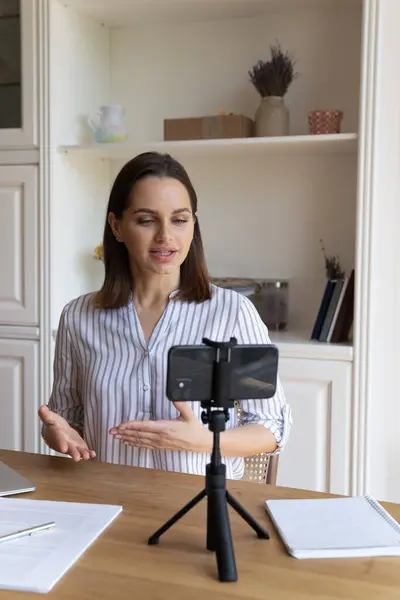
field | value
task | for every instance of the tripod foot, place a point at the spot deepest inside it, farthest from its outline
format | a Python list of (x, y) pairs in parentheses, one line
[(261, 533), (154, 539)]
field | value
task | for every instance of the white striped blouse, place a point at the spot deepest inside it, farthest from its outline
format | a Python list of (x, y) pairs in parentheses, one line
[(105, 373)]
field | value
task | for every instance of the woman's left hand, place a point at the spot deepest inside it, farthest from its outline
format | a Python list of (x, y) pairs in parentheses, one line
[(184, 433)]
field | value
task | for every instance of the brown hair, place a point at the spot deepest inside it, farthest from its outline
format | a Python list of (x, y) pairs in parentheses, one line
[(117, 286)]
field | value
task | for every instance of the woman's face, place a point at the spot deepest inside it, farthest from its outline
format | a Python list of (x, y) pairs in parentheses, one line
[(157, 227)]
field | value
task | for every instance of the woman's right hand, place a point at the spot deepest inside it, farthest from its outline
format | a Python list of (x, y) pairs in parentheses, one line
[(63, 438)]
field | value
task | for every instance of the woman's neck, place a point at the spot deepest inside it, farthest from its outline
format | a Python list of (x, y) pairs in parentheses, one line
[(154, 290)]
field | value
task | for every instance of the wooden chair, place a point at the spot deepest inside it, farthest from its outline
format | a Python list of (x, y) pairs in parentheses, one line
[(261, 468)]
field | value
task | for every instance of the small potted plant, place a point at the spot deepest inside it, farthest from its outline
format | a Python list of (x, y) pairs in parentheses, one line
[(333, 268), (272, 79)]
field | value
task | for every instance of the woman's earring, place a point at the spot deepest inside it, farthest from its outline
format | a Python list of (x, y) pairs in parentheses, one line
[(118, 238)]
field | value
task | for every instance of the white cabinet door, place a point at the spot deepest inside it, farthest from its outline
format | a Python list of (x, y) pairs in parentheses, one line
[(19, 253), (317, 455), (18, 74), (19, 395)]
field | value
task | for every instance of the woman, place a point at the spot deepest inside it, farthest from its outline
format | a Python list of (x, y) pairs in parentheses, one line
[(108, 398)]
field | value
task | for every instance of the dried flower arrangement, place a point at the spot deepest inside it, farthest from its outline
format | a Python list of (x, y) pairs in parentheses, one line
[(273, 77), (333, 268), (98, 252)]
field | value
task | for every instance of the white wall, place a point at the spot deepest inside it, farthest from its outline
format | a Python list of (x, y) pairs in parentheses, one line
[(79, 84), (272, 210), (194, 69)]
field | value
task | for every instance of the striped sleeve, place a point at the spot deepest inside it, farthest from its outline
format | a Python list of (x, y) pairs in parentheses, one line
[(273, 413), (65, 398)]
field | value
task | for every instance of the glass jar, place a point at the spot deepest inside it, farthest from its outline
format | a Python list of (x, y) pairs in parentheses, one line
[(273, 304)]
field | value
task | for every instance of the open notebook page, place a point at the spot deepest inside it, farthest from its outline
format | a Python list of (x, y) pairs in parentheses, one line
[(35, 563)]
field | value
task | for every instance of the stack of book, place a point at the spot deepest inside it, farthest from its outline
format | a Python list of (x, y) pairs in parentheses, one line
[(336, 312)]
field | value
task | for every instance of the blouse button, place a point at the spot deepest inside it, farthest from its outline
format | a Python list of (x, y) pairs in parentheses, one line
[(145, 388)]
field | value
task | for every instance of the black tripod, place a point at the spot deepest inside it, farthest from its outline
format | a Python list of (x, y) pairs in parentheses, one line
[(219, 538)]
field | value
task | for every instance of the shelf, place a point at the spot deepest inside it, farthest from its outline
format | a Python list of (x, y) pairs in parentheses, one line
[(345, 143), (298, 345), (122, 13)]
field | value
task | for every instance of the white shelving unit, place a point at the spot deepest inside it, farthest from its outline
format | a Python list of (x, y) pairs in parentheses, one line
[(125, 13), (264, 204), (195, 66), (300, 145), (297, 344)]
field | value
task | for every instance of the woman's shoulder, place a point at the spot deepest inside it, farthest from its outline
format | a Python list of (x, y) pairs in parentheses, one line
[(227, 300), (79, 309), (236, 305), (227, 296), (85, 301)]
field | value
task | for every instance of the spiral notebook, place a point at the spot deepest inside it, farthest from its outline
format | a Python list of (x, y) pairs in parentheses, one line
[(335, 527)]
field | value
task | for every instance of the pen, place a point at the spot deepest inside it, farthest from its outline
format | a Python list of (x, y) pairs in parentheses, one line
[(29, 531)]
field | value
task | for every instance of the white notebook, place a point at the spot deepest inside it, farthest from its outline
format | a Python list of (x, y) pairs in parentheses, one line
[(335, 527), (35, 563)]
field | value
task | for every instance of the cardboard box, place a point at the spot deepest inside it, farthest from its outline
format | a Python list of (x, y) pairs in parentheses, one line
[(208, 128)]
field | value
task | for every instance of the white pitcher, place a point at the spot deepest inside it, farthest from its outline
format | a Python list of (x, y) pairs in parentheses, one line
[(107, 124)]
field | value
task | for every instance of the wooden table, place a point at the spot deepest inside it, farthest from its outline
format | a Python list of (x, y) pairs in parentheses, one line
[(120, 565)]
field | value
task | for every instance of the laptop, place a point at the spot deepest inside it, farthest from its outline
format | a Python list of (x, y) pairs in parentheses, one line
[(12, 482)]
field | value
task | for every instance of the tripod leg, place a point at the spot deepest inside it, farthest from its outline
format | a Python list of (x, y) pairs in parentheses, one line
[(222, 539), (211, 532), (261, 533), (154, 539)]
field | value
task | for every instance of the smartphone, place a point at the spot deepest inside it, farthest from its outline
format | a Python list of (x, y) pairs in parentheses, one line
[(254, 371)]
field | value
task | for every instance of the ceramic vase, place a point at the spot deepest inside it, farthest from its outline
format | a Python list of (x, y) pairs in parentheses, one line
[(272, 117)]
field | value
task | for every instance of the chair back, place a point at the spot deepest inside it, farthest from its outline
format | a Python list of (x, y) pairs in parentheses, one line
[(261, 468)]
